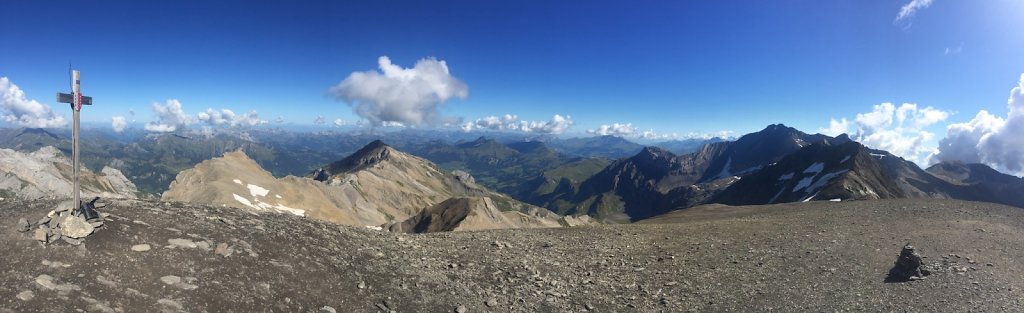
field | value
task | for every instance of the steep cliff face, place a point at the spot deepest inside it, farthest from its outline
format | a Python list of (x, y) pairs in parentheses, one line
[(47, 173)]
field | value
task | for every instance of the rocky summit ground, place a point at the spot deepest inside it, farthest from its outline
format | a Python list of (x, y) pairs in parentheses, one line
[(818, 256)]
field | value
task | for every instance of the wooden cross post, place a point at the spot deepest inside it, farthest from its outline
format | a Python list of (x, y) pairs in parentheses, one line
[(76, 99)]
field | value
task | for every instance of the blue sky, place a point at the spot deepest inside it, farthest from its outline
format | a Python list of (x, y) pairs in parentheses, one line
[(667, 66)]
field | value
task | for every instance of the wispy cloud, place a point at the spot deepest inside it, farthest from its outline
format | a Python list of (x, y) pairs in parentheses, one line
[(908, 10), (954, 50)]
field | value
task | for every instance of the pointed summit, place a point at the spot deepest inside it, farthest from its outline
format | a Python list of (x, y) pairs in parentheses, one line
[(373, 153)]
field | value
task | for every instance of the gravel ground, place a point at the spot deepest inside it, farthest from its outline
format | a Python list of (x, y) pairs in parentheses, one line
[(819, 256)]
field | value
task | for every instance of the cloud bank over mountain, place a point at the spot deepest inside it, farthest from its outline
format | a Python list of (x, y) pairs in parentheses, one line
[(171, 117), (899, 130), (988, 138), (511, 122)]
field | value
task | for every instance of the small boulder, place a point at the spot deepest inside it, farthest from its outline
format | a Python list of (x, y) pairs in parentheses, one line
[(76, 227), (141, 248), (23, 225), (46, 281), (26, 295), (327, 309)]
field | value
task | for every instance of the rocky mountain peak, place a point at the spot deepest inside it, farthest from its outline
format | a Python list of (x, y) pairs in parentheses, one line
[(480, 141), (652, 152), (373, 153), (36, 132)]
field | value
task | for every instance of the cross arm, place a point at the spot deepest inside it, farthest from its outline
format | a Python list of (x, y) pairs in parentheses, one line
[(69, 98)]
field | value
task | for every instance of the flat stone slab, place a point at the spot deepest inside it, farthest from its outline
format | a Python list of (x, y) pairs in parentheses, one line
[(46, 281), (181, 242)]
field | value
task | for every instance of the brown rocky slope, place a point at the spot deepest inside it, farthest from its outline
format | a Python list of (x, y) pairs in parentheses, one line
[(816, 256), (375, 186)]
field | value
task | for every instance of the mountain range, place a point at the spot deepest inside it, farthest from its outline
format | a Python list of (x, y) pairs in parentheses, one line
[(415, 185)]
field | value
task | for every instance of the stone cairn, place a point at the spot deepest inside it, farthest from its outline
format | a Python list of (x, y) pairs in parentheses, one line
[(909, 266), (62, 225)]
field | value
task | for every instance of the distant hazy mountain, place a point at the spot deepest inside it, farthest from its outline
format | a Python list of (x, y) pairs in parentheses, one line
[(608, 146), (512, 168)]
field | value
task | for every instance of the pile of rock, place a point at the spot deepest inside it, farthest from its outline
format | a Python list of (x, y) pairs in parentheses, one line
[(909, 266), (62, 225)]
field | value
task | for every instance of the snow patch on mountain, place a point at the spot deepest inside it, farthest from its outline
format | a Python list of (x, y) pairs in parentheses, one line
[(824, 179), (257, 190), (815, 168), (243, 200), (263, 206), (788, 176), (803, 183)]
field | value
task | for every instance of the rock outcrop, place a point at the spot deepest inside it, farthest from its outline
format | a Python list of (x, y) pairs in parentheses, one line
[(47, 173), (473, 213)]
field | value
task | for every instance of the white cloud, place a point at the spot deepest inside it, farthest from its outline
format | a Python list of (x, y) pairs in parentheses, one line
[(18, 109), (878, 119), (989, 139), (279, 119), (170, 117), (616, 129), (392, 124), (495, 123), (557, 125), (339, 122), (119, 123), (908, 10), (629, 131), (226, 117), (836, 127), (320, 120), (897, 130), (410, 96), (511, 122)]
